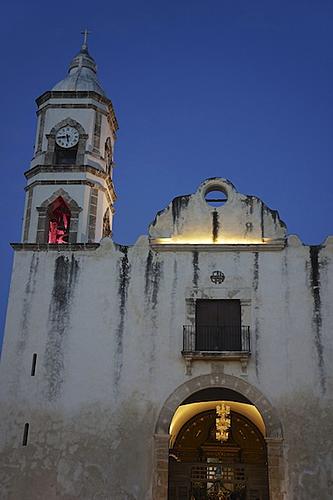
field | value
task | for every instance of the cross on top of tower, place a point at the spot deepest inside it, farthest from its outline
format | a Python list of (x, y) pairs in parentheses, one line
[(85, 34)]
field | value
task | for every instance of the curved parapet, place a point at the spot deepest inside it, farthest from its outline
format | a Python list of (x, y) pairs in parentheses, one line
[(230, 219)]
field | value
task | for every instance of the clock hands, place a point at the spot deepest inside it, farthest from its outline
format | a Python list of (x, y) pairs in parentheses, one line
[(67, 138)]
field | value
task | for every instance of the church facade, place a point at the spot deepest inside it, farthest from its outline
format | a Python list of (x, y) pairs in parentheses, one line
[(194, 364)]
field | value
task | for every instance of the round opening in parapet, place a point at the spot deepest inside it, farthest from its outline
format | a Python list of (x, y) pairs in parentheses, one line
[(216, 197)]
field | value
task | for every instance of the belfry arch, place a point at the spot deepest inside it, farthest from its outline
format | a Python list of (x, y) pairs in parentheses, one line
[(273, 437), (74, 208)]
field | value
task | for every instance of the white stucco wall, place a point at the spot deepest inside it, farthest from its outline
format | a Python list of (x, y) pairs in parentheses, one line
[(106, 324)]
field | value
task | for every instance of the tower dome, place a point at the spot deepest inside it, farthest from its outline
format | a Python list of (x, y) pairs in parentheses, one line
[(82, 73)]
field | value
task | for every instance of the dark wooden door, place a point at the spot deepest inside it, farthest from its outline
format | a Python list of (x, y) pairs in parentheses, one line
[(218, 325)]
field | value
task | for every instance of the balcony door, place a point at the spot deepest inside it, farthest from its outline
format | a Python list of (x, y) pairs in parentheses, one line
[(218, 325)]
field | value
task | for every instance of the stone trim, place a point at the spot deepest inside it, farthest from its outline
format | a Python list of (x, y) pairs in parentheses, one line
[(108, 155), (70, 169), (40, 247), (268, 413), (109, 114), (27, 217), (42, 226), (274, 435), (62, 182), (80, 95), (161, 464), (40, 132), (97, 132), (73, 106), (211, 293), (51, 138), (241, 356), (276, 468), (217, 247), (74, 183), (92, 214)]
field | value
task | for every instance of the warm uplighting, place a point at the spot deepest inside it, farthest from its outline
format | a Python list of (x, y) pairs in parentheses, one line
[(185, 412), (197, 240), (223, 422)]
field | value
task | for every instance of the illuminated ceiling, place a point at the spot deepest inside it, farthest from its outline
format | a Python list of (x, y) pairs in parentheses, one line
[(186, 412)]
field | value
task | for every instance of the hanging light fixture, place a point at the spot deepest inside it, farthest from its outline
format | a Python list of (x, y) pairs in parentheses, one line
[(223, 422)]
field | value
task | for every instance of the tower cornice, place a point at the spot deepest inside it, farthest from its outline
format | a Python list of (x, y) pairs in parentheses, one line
[(79, 94)]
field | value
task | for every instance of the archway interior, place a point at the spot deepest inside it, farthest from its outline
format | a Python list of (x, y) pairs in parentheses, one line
[(200, 467), (187, 411), (207, 399)]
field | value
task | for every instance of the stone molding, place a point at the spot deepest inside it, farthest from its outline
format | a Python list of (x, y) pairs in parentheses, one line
[(27, 216), (217, 247), (109, 116), (51, 141), (274, 434), (63, 182), (42, 247), (42, 227), (41, 126), (54, 94), (72, 106), (268, 413), (97, 132), (92, 214), (72, 169), (241, 356)]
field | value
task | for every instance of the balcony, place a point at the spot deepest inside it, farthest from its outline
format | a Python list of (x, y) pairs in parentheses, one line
[(216, 343)]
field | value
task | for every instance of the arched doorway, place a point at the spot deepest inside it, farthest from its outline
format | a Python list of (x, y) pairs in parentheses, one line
[(203, 468), (269, 435)]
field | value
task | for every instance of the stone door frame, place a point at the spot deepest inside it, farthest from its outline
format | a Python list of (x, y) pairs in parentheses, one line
[(273, 438)]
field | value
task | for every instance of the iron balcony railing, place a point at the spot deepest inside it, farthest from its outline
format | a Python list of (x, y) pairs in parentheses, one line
[(216, 338)]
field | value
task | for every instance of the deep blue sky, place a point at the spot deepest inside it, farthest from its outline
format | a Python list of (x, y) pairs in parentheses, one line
[(239, 89)]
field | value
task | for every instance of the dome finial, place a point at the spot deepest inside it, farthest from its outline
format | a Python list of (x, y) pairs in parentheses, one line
[(82, 71), (85, 34)]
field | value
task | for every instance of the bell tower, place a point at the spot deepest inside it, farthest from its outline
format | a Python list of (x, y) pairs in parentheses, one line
[(69, 194)]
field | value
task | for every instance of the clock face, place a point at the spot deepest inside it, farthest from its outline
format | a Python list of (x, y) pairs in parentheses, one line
[(67, 137)]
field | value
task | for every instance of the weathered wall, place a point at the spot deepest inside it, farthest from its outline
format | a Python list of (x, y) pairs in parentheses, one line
[(106, 324)]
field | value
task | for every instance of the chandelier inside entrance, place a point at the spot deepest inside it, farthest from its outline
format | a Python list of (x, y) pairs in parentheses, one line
[(223, 422)]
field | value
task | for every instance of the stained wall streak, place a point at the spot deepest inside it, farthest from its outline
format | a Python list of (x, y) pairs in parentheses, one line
[(177, 205), (249, 202), (153, 275), (173, 291), (148, 269), (124, 279), (196, 269), (215, 225), (28, 297), (64, 284), (256, 311), (156, 277), (316, 315)]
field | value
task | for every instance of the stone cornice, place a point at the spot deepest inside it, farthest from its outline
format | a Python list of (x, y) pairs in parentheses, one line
[(38, 169), (82, 182), (39, 247), (215, 247), (55, 94)]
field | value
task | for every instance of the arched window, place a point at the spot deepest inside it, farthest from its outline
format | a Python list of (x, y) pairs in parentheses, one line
[(106, 225), (108, 155), (59, 216)]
